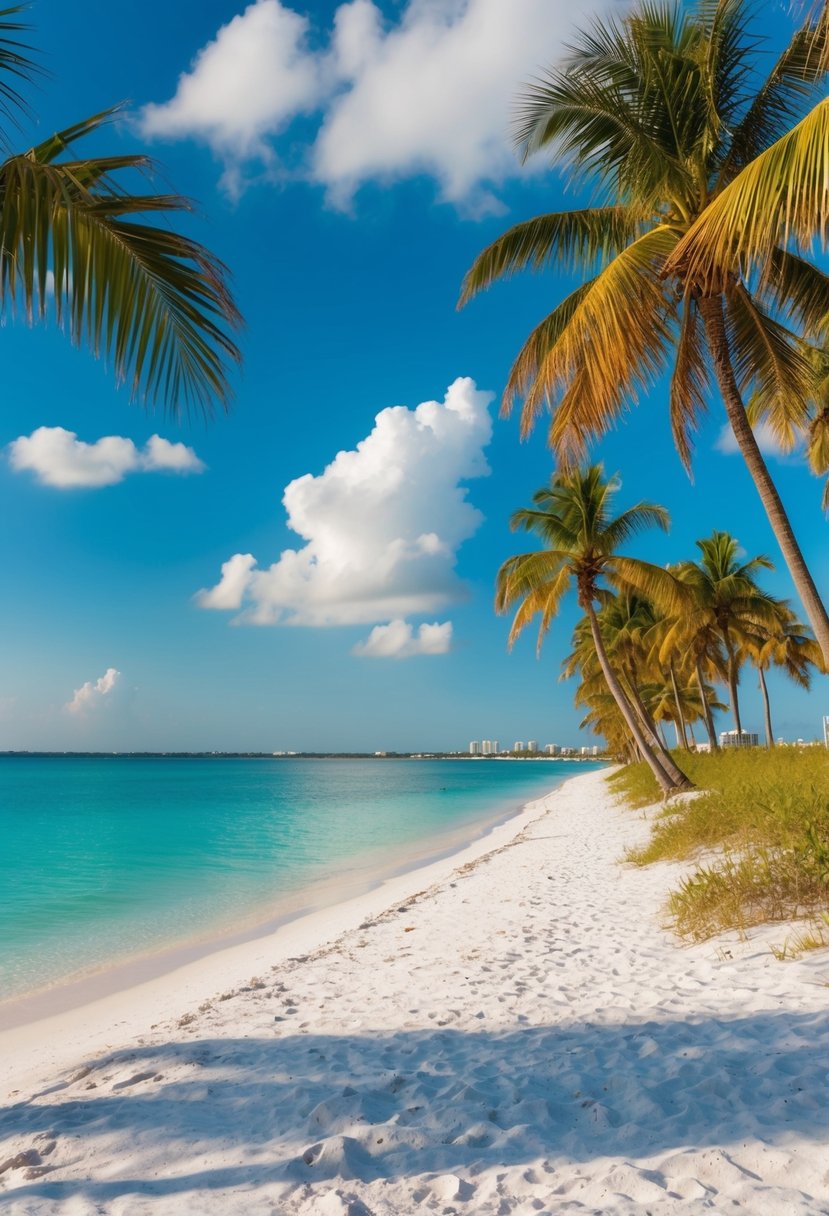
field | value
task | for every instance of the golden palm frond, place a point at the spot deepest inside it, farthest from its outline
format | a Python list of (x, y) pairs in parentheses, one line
[(565, 239), (615, 341), (688, 382), (772, 368), (781, 196)]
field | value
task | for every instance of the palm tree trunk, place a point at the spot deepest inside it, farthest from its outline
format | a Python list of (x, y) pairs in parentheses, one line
[(732, 692), (711, 309), (766, 708), (666, 783), (706, 710), (656, 740), (680, 711)]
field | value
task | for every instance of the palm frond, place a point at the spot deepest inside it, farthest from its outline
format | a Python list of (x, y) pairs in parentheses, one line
[(569, 239), (607, 111), (632, 522), (612, 339), (771, 366), (154, 302), (540, 342), (688, 382), (16, 66), (788, 90), (656, 583), (781, 196), (798, 289)]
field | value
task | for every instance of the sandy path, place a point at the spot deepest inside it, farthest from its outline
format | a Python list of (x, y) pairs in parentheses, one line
[(521, 1037)]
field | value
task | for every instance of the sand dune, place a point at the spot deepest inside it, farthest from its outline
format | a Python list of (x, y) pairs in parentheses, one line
[(521, 1036)]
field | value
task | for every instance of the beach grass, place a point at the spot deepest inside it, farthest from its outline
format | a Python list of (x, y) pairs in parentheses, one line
[(758, 831)]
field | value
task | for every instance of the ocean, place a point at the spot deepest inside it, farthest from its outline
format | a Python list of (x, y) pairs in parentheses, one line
[(109, 858)]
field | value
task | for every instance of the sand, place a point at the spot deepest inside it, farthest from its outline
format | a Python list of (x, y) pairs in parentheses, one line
[(507, 1031)]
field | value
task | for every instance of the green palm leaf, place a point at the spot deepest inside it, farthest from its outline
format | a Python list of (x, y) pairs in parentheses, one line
[(152, 301), (15, 63), (567, 239)]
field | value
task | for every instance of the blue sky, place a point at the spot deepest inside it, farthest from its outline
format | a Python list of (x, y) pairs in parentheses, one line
[(348, 226)]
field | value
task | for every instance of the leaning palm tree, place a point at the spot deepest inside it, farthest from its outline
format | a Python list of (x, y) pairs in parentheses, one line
[(573, 518), (623, 620), (694, 254), (153, 302)]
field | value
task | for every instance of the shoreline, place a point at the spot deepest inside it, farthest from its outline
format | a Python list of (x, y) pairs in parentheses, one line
[(323, 909), (509, 1030), (335, 882)]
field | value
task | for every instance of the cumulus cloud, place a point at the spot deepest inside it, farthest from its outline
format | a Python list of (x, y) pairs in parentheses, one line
[(429, 92), (398, 640), (382, 525), (58, 458), (92, 694), (249, 82), (767, 441)]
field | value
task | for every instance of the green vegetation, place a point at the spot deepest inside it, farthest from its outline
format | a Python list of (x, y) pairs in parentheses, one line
[(154, 303), (758, 830)]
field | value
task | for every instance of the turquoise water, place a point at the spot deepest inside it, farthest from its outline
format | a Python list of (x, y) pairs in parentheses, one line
[(106, 858)]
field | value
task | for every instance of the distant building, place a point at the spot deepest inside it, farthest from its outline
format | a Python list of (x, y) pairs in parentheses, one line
[(585, 751), (594, 751), (489, 747), (826, 730), (474, 748), (738, 738), (518, 746), (552, 749), (532, 746)]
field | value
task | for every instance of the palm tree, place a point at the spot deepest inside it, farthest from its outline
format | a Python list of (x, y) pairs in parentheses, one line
[(693, 254), (789, 645), (154, 303), (622, 619), (727, 603), (696, 653), (572, 516)]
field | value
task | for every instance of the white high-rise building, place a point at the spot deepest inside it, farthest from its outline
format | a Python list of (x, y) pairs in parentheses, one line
[(738, 738), (532, 746), (474, 748), (552, 749), (518, 746), (489, 747), (826, 729)]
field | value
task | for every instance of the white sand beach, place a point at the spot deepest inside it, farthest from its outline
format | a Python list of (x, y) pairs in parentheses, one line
[(509, 1030)]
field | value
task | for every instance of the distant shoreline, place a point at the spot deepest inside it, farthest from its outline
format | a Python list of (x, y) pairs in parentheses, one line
[(5, 755)]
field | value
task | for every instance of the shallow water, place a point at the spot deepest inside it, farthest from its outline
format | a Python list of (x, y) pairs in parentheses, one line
[(105, 858)]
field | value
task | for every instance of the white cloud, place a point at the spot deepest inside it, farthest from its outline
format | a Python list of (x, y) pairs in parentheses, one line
[(255, 77), (431, 92), (767, 441), (398, 640), (90, 695), (382, 526), (58, 458)]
